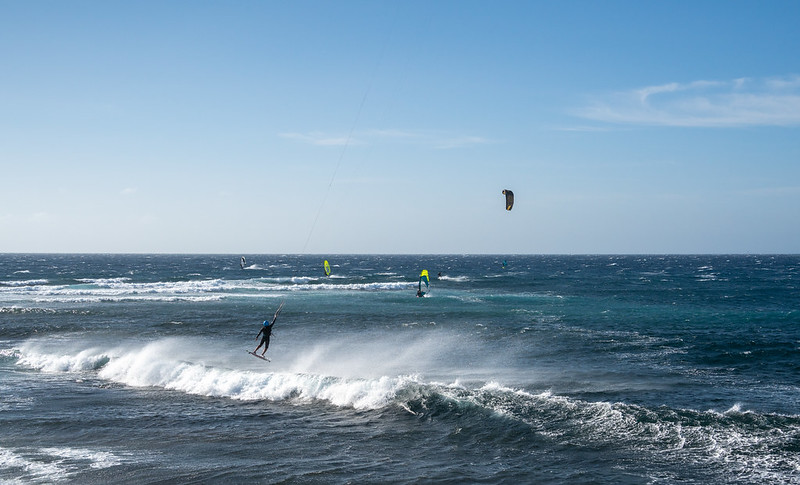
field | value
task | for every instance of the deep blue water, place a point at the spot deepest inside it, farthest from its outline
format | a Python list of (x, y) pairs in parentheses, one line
[(554, 369)]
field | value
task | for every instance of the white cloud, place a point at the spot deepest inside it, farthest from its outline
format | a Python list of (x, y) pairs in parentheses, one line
[(128, 191), (739, 102)]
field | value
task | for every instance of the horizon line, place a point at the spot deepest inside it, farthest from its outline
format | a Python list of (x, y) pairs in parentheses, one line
[(386, 254)]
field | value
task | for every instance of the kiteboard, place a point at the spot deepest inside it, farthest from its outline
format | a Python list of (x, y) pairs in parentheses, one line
[(260, 357)]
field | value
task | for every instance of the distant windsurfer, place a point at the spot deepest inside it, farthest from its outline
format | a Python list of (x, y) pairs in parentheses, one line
[(266, 332), (423, 279)]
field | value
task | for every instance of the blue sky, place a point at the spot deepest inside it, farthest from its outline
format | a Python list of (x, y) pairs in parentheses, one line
[(393, 127)]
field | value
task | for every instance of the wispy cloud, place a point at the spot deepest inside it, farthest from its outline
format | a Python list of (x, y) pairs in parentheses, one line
[(321, 139), (734, 103), (372, 137), (128, 191), (394, 134)]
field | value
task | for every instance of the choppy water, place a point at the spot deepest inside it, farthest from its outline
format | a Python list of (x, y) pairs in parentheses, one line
[(574, 369)]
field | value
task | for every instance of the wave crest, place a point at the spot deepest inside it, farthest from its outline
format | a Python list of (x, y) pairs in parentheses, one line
[(162, 364), (758, 446)]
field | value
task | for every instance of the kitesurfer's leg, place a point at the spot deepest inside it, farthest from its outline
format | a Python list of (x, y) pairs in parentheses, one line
[(266, 341)]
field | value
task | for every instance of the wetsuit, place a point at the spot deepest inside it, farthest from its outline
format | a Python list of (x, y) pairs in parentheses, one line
[(266, 330)]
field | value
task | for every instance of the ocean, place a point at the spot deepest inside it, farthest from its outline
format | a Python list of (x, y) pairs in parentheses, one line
[(550, 369)]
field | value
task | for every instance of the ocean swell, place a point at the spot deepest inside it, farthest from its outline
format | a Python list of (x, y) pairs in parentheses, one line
[(757, 446)]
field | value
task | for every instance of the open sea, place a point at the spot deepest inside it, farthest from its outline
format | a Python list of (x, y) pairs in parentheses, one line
[(552, 369)]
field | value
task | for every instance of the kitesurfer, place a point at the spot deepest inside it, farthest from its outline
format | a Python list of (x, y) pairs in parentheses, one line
[(264, 333)]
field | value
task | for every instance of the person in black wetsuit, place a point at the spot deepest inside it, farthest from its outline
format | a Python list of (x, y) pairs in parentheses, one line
[(264, 333)]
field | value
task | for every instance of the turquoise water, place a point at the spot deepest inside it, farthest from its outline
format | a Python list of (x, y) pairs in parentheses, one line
[(577, 369)]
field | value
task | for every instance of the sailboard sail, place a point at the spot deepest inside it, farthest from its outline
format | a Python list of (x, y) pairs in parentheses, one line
[(424, 283), (242, 262), (327, 268)]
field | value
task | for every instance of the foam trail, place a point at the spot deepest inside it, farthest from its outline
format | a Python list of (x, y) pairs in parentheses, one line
[(53, 464), (34, 470)]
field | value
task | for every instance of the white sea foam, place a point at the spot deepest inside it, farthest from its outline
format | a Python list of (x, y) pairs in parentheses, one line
[(123, 289), (84, 360), (358, 381), (48, 465), (458, 279), (375, 286), (164, 364), (104, 281), (256, 267), (362, 373), (28, 469), (130, 298), (18, 310), (9, 352), (24, 282), (702, 437), (94, 458)]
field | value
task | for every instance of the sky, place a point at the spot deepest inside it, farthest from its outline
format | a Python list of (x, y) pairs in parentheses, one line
[(320, 127)]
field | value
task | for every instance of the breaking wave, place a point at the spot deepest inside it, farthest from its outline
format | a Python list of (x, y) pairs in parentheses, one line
[(757, 446)]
